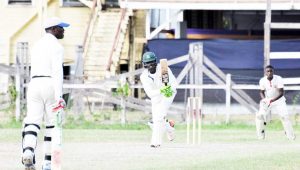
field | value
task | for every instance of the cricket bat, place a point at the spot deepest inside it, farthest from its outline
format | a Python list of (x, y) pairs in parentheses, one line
[(56, 149), (164, 71)]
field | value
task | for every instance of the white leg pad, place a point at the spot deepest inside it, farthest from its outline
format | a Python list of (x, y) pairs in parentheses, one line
[(260, 125), (157, 133), (47, 142), (30, 133)]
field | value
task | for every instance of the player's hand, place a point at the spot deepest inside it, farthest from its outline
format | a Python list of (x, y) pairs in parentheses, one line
[(267, 101), (166, 91), (60, 104)]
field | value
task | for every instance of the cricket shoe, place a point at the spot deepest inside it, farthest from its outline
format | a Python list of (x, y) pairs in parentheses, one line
[(27, 160), (170, 129), (261, 136), (292, 137), (46, 165), (154, 146)]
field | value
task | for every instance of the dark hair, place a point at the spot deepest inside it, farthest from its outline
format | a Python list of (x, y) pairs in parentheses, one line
[(48, 29), (269, 66)]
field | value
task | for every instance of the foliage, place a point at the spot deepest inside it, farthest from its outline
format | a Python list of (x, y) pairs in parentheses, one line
[(11, 123), (12, 93), (123, 90), (295, 99), (295, 102)]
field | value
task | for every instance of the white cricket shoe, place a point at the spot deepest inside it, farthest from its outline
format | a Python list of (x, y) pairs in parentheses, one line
[(292, 137), (27, 159), (261, 136), (170, 130), (46, 165)]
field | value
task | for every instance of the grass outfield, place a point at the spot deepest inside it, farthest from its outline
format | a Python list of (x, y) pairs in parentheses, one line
[(223, 147)]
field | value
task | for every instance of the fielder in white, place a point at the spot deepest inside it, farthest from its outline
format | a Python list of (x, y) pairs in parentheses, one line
[(161, 102), (272, 101), (44, 91)]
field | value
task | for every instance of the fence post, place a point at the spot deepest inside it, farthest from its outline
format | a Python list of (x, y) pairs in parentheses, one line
[(123, 81), (78, 103), (228, 97), (18, 90), (22, 76)]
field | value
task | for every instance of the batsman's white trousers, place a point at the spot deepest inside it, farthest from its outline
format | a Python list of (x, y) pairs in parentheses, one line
[(40, 101), (279, 108), (160, 107)]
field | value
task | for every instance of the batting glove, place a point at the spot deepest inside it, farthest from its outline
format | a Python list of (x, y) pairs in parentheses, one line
[(166, 91), (60, 104), (267, 101)]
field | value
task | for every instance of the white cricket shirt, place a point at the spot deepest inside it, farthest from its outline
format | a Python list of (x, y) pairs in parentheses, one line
[(271, 87), (152, 82), (47, 60)]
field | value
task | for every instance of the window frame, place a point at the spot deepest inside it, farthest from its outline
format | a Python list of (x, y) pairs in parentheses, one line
[(63, 3), (32, 2)]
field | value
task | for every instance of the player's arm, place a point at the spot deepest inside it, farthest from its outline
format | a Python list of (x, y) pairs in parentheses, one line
[(262, 89), (57, 76), (262, 94), (173, 82), (169, 89), (149, 87), (281, 92), (279, 88), (57, 72)]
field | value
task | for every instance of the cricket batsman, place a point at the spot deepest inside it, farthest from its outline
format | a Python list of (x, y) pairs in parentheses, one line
[(161, 96), (44, 92), (272, 101)]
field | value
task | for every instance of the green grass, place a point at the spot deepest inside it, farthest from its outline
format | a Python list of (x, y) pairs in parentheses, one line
[(221, 149), (71, 123)]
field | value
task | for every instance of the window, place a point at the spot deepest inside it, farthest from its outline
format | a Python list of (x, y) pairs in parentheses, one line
[(112, 3), (72, 3), (21, 2)]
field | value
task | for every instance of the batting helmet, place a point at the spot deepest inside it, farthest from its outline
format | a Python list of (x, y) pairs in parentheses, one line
[(148, 57)]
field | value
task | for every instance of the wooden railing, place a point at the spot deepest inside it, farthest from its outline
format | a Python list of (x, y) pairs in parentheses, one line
[(90, 25), (116, 39)]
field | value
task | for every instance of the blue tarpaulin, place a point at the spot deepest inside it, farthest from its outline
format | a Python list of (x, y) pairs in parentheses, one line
[(230, 54)]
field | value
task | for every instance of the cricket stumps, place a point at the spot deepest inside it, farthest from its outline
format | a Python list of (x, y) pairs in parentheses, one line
[(194, 120)]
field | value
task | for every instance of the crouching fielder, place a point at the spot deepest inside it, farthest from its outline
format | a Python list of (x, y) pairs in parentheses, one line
[(161, 97), (44, 92), (272, 101)]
